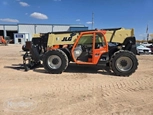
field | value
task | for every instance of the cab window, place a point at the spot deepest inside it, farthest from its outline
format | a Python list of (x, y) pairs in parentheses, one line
[(99, 41), (86, 39)]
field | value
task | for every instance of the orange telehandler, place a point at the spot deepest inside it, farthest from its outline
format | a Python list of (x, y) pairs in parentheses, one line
[(114, 47), (3, 41)]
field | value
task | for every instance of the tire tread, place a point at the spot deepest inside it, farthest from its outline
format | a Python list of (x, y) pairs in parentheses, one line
[(63, 57), (120, 52)]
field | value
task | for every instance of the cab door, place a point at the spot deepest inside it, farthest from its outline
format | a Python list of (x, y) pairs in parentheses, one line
[(88, 48), (100, 47), (82, 48)]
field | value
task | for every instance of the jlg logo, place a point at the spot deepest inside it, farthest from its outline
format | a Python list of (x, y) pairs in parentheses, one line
[(67, 39)]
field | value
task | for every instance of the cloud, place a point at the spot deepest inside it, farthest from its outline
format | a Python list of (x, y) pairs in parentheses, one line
[(9, 20), (24, 4), (78, 20), (142, 35), (89, 22), (57, 0), (39, 15), (26, 13)]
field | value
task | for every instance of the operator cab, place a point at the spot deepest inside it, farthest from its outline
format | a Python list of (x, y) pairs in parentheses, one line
[(89, 47)]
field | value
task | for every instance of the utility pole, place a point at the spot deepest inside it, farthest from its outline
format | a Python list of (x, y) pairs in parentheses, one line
[(147, 33), (92, 20)]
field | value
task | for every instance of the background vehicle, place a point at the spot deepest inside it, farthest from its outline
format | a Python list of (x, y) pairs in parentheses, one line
[(106, 47), (146, 44), (3, 41), (151, 48), (141, 49)]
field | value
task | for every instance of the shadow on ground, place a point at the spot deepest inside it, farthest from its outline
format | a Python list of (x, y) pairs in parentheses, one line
[(19, 67), (72, 68), (15, 67)]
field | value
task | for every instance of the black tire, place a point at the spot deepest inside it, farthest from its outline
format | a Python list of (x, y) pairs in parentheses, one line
[(60, 59), (123, 63)]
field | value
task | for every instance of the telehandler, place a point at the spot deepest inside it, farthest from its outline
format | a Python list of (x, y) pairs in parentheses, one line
[(114, 47), (3, 41)]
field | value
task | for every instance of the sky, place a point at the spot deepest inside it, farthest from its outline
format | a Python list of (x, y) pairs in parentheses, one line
[(128, 14)]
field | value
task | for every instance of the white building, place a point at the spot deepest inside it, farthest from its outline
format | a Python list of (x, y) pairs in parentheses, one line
[(19, 33)]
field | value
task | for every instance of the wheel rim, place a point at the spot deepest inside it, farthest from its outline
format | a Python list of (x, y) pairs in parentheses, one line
[(124, 64), (54, 61)]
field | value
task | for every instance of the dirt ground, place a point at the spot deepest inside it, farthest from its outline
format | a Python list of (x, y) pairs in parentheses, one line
[(78, 91)]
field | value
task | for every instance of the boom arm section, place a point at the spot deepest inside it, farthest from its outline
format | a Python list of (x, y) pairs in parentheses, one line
[(119, 35), (61, 39)]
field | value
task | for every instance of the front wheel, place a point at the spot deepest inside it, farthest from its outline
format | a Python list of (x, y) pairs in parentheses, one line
[(123, 63), (55, 61)]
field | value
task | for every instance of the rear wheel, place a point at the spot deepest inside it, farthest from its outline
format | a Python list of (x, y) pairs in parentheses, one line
[(55, 61), (123, 63)]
